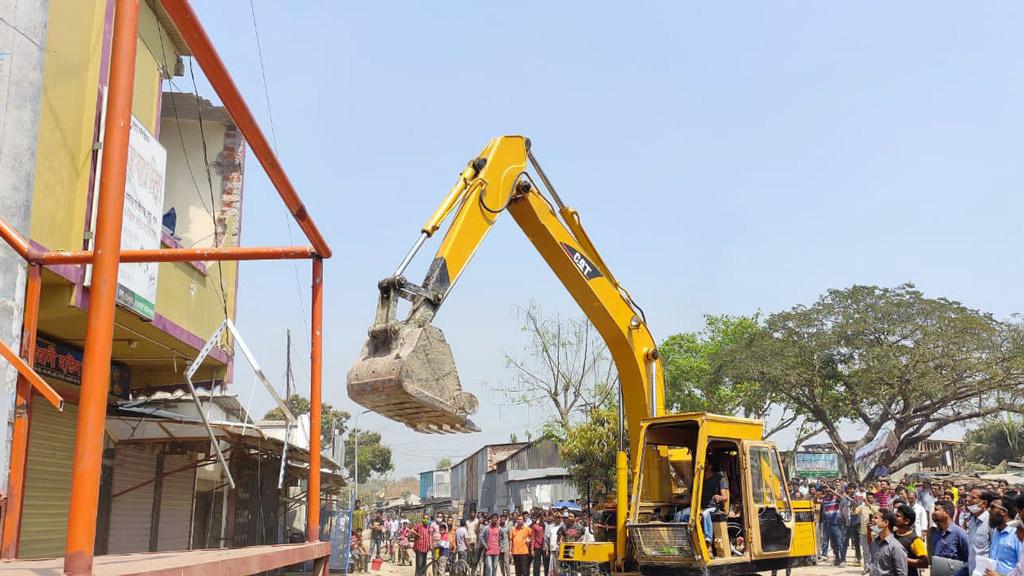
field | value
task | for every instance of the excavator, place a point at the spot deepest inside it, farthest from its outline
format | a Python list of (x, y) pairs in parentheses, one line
[(696, 493)]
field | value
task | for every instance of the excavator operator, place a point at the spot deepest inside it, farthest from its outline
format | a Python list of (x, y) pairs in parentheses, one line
[(715, 493)]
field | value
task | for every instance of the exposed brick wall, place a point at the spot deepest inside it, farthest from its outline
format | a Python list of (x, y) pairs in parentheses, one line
[(229, 166)]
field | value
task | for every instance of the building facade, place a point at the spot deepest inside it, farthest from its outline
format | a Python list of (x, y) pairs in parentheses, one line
[(534, 477), (185, 181)]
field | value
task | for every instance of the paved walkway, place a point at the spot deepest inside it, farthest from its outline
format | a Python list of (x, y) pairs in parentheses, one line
[(227, 562)]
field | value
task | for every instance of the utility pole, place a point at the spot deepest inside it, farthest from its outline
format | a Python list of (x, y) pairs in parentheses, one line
[(355, 453)]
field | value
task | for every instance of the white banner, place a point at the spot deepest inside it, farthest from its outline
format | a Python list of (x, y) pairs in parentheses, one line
[(884, 442), (143, 219)]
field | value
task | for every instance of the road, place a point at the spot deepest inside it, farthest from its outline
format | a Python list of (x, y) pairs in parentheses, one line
[(388, 569)]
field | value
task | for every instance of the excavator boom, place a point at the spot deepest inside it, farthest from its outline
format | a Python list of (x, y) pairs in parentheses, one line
[(406, 370)]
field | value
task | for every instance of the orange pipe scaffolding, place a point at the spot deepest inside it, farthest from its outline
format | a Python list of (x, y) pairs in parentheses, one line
[(105, 259), (22, 414)]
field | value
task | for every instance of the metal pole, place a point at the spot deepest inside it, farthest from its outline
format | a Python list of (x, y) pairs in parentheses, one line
[(187, 22), (229, 253), (355, 452), (22, 415), (315, 368), (99, 332)]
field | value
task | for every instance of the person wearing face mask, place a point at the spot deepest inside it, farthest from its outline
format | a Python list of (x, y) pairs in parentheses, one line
[(422, 544), (888, 558), (978, 532), (1005, 550)]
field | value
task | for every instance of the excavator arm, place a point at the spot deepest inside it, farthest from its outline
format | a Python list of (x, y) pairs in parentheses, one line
[(406, 371)]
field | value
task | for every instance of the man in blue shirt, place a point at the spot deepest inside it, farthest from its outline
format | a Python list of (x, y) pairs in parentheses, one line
[(1005, 549), (945, 538)]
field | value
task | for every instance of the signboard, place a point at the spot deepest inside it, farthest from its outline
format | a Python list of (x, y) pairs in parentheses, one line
[(64, 363), (816, 464), (142, 221), (884, 443)]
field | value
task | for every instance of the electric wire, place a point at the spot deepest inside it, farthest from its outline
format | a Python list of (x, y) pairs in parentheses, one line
[(209, 181), (273, 136)]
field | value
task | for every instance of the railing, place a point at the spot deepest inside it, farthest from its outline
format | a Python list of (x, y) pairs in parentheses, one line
[(662, 544), (105, 259)]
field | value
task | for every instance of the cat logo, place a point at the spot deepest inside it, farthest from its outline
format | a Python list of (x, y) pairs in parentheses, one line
[(586, 267)]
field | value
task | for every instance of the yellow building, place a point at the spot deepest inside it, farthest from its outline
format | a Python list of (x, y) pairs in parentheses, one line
[(166, 311)]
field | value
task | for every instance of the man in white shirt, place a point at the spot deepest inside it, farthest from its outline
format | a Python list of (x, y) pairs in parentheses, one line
[(923, 516), (979, 534), (551, 528), (472, 525)]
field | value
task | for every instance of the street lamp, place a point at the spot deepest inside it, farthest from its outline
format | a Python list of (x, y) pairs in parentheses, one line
[(355, 452)]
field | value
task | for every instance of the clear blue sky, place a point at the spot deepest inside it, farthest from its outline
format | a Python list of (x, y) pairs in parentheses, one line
[(726, 158)]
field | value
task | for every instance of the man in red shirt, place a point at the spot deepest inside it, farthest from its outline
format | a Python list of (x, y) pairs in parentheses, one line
[(421, 534), (537, 544)]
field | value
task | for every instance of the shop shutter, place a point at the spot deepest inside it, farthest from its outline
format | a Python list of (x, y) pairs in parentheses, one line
[(131, 514), (51, 447), (176, 504)]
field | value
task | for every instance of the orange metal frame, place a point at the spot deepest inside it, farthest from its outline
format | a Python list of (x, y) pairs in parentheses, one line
[(105, 259)]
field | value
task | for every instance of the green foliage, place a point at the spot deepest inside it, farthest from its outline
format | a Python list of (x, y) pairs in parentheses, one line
[(884, 356), (588, 449), (329, 416), (997, 439), (444, 463), (689, 360), (296, 403), (374, 456)]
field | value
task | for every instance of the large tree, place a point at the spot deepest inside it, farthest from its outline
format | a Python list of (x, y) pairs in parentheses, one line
[(687, 359), (695, 381), (885, 358)]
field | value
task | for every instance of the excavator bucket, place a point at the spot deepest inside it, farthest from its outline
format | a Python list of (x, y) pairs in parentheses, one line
[(407, 373)]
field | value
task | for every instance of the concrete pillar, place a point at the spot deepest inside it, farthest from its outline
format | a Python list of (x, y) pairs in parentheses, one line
[(22, 42)]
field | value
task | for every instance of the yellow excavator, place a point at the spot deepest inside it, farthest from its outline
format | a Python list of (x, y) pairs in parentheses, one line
[(698, 493)]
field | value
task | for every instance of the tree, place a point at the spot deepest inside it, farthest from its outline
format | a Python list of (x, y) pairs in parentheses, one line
[(884, 357), (997, 439), (566, 366), (444, 463), (589, 448), (696, 382), (374, 456), (330, 418)]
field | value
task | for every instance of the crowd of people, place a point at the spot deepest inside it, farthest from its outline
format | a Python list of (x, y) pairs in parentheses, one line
[(899, 529), (512, 542)]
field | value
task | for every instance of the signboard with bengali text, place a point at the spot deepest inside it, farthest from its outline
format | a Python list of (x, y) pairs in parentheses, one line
[(143, 219), (816, 464)]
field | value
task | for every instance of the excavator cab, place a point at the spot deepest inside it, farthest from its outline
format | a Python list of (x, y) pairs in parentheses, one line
[(710, 492)]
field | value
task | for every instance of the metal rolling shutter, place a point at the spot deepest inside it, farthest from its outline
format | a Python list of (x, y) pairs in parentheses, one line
[(176, 504), (51, 447), (131, 514)]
